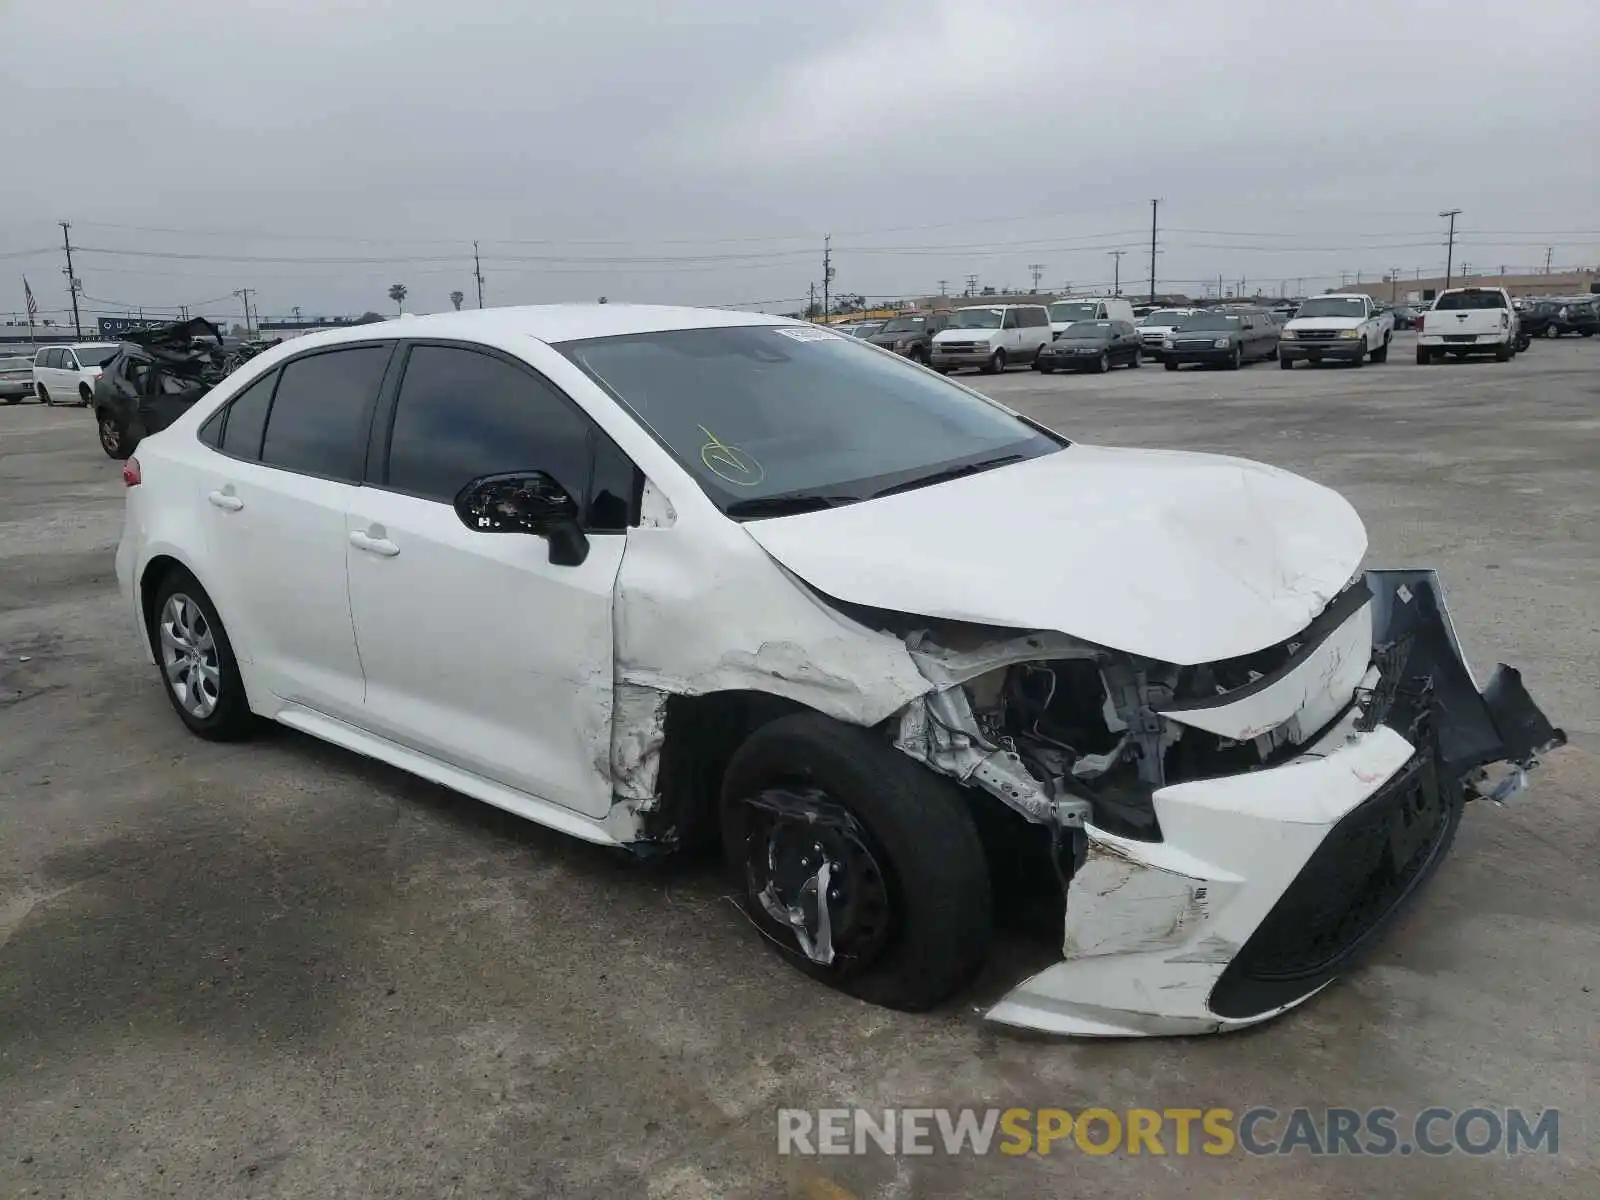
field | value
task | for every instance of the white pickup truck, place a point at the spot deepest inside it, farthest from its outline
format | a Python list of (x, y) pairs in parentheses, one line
[(1472, 320), (1338, 328)]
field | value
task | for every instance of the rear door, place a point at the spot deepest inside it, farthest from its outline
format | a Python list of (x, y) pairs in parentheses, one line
[(478, 650), (46, 369), (292, 452)]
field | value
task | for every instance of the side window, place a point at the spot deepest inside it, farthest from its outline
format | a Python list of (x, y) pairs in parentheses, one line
[(70, 360), (461, 414), (211, 432), (321, 413), (47, 358), (1033, 318), (245, 419), (1011, 319)]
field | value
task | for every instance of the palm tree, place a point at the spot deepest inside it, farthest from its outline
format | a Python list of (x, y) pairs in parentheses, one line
[(456, 298), (397, 293)]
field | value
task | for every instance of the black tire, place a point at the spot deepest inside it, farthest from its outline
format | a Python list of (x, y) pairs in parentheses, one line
[(996, 363), (231, 719), (115, 437), (44, 396), (1171, 366), (1381, 354), (1424, 356), (85, 396), (1235, 360), (1045, 368), (1361, 357), (919, 356), (1502, 352), (942, 370), (1134, 362), (13, 399), (1550, 331), (1103, 363), (1286, 364), (913, 822), (1585, 333)]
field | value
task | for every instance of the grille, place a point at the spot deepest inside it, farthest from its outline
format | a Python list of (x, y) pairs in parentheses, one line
[(1369, 863), (1316, 335)]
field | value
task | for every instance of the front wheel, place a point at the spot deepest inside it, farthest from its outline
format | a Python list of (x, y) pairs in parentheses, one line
[(996, 363), (44, 396), (1361, 355), (1550, 331), (115, 437), (860, 867), (1045, 368), (919, 356), (1135, 362), (1171, 366), (1102, 364), (1235, 359), (1286, 364)]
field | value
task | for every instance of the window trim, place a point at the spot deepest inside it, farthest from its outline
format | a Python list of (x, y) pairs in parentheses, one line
[(373, 406), (376, 472)]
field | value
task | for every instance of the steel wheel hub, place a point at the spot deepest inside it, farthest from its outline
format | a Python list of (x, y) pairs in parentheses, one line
[(189, 656), (811, 869)]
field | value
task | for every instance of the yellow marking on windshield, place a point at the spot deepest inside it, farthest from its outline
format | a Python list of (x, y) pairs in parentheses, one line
[(729, 462)]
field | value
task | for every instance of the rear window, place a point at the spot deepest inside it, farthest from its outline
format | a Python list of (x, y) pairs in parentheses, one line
[(1474, 299)]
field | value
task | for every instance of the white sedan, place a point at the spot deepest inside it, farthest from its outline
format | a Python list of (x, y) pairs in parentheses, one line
[(646, 574)]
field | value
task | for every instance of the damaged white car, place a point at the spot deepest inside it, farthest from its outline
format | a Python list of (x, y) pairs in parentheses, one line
[(647, 574)]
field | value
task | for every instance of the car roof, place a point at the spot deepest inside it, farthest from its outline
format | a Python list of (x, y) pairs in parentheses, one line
[(544, 322)]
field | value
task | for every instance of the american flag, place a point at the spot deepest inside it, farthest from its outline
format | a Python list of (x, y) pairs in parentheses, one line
[(33, 305)]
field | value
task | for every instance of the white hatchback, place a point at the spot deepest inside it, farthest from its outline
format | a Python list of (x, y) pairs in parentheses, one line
[(67, 374), (651, 574)]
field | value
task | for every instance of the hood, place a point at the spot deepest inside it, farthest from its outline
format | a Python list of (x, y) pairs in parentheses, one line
[(964, 335), (1186, 558), (889, 339), (1326, 323)]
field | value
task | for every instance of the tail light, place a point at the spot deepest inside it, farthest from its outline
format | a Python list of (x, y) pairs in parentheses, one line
[(1420, 319), (130, 473)]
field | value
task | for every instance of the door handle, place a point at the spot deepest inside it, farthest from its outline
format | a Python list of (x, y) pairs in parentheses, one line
[(382, 547), (226, 501)]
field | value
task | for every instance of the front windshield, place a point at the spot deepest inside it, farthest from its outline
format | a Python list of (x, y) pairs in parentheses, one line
[(1164, 317), (1333, 306), (759, 412), (905, 325), (975, 318), (1066, 313), (1087, 329), (1208, 320)]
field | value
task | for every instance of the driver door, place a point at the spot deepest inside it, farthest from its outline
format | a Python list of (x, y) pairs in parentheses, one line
[(478, 650)]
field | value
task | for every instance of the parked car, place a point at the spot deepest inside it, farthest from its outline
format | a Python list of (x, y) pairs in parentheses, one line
[(707, 558), (1090, 308), (156, 375), (1470, 320), (1337, 328), (1225, 339), (67, 374), (1156, 326), (991, 337), (1535, 318), (1578, 316), (911, 334), (1090, 346), (1405, 316), (16, 378), (865, 329)]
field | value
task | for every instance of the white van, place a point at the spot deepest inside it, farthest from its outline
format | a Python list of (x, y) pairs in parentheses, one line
[(991, 337), (1089, 308)]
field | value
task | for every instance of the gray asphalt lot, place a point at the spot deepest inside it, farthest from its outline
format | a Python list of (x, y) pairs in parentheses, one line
[(277, 969)]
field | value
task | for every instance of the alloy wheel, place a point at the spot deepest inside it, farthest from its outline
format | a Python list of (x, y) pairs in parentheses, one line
[(189, 656)]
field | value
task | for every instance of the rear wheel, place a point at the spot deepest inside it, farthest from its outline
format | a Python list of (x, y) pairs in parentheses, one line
[(198, 668), (1424, 356), (861, 868), (1135, 360), (1502, 352), (1381, 354)]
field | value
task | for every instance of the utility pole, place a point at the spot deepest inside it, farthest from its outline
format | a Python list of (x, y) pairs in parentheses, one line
[(944, 287), (1394, 285), (1450, 252), (827, 271), (972, 285), (1154, 205), (477, 272), (72, 279), (1548, 252), (244, 294), (811, 301), (1037, 271), (1116, 271)]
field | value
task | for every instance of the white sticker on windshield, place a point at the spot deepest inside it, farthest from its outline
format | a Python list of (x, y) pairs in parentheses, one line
[(806, 333)]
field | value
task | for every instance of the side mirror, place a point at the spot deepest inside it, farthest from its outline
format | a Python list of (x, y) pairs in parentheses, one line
[(526, 502)]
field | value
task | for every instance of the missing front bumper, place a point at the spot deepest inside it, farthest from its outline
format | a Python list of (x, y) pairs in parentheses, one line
[(1266, 885)]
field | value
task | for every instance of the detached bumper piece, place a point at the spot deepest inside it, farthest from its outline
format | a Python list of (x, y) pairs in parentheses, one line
[(1265, 885)]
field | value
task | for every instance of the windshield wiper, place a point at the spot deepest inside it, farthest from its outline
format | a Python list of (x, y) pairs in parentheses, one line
[(947, 474), (787, 504)]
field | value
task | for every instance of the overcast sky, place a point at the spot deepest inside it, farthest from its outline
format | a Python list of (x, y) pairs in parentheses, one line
[(698, 150)]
